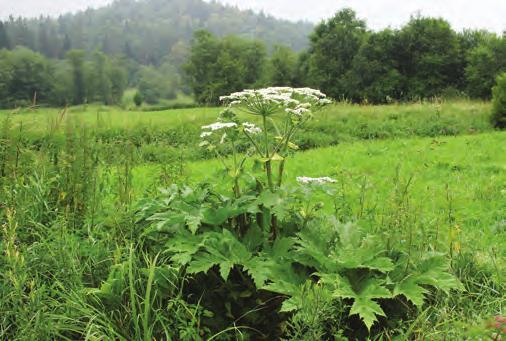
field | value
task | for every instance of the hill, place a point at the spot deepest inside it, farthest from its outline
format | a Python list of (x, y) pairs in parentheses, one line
[(147, 30)]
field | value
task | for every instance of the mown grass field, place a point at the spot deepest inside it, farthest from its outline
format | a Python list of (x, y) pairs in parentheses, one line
[(425, 177)]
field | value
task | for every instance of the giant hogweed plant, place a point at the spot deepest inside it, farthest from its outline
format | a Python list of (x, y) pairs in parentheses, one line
[(254, 252)]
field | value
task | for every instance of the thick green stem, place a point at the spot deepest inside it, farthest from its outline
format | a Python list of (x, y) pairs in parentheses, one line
[(268, 165), (280, 173), (268, 170)]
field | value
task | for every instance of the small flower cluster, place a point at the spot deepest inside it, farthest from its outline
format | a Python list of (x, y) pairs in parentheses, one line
[(251, 129), (319, 181), (300, 110), (219, 125), (216, 127)]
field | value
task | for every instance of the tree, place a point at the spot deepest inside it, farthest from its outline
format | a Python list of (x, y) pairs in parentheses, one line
[(4, 37), (138, 99), (101, 84), (67, 44), (76, 60), (374, 76), (217, 67), (5, 77), (155, 85), (119, 80), (334, 44), (499, 102), (204, 53), (283, 66), (485, 63), (63, 84), (428, 56), (25, 77)]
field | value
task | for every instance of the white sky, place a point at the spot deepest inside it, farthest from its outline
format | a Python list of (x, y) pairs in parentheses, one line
[(488, 14)]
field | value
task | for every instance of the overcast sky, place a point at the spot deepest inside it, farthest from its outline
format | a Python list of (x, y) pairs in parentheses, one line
[(488, 14)]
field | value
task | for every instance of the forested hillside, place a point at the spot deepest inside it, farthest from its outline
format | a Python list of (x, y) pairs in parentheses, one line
[(147, 30), (164, 50)]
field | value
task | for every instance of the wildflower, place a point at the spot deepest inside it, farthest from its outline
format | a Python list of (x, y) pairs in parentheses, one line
[(205, 134), (270, 100), (251, 129), (219, 125), (299, 111), (307, 180)]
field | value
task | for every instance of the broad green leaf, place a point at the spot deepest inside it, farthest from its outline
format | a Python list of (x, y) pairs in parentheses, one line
[(411, 290), (434, 272), (259, 269), (340, 286), (225, 268), (201, 265), (193, 223), (364, 305), (367, 310)]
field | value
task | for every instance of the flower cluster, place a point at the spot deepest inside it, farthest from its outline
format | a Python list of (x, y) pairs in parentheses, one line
[(320, 181), (217, 127), (296, 101), (251, 129)]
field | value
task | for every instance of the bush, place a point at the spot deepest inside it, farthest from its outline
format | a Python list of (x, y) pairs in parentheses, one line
[(138, 99), (499, 102)]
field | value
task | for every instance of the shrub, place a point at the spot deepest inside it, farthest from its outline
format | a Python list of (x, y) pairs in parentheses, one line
[(138, 99), (499, 102)]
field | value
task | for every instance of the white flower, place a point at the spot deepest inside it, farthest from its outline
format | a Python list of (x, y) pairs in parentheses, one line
[(219, 125), (299, 111), (274, 98), (251, 129), (307, 180), (205, 134)]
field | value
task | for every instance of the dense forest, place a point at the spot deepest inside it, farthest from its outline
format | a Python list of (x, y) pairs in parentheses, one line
[(147, 31), (163, 48)]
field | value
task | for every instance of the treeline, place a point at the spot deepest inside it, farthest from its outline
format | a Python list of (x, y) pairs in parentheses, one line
[(423, 59), (29, 78), (146, 31), (345, 59)]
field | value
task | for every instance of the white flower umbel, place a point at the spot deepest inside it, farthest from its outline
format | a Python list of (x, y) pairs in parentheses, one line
[(251, 129), (219, 125), (270, 100), (320, 181)]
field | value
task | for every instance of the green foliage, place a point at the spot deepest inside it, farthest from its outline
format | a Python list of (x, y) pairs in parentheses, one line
[(154, 29), (428, 57), (25, 78), (334, 44), (76, 61), (375, 75), (499, 102), (485, 62), (217, 67), (138, 99), (155, 85), (28, 78), (283, 66)]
